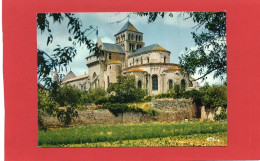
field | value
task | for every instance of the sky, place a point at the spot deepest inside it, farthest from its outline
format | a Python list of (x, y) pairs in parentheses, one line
[(172, 33)]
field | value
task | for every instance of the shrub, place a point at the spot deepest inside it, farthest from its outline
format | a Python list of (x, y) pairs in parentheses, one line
[(48, 104), (222, 115), (67, 115), (117, 108), (94, 94), (101, 100), (67, 96), (214, 96), (178, 91), (195, 95), (125, 90), (147, 98)]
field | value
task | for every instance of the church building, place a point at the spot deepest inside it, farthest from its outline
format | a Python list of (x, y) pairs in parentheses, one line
[(129, 56)]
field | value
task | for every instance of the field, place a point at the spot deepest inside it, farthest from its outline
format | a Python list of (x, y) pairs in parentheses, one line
[(134, 135)]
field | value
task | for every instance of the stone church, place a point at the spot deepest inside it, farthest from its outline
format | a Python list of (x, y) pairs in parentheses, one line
[(129, 56)]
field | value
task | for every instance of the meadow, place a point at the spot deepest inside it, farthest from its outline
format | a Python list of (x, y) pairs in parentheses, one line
[(133, 135)]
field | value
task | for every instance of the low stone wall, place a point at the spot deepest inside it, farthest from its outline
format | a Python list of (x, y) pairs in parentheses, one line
[(174, 109), (208, 113), (101, 117), (168, 110)]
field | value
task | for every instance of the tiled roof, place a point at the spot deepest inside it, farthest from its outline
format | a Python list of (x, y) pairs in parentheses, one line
[(68, 76), (153, 47), (113, 48), (135, 70), (76, 78), (173, 68), (128, 26), (114, 62)]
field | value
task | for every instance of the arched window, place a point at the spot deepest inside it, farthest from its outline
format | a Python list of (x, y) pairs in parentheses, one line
[(133, 61), (94, 75), (139, 38), (147, 59), (183, 84), (190, 84), (164, 59), (155, 82), (108, 81), (139, 84), (170, 84), (128, 36), (141, 60), (132, 37), (136, 37)]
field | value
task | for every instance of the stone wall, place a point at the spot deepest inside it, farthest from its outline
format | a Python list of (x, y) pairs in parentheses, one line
[(208, 113), (101, 117), (168, 110), (174, 109)]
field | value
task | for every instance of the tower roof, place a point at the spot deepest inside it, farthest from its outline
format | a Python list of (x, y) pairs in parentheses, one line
[(113, 48), (128, 26), (153, 47)]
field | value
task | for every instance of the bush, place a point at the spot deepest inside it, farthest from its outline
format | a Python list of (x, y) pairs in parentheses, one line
[(67, 96), (178, 91), (67, 115), (94, 94), (117, 108), (48, 104), (195, 95), (125, 90), (214, 96), (222, 115), (101, 100)]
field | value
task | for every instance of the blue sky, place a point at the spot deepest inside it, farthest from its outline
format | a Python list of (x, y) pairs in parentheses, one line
[(172, 33)]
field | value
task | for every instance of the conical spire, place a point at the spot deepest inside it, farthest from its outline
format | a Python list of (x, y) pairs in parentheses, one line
[(128, 26)]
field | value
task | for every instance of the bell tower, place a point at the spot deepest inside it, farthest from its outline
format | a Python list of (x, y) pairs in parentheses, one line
[(129, 38)]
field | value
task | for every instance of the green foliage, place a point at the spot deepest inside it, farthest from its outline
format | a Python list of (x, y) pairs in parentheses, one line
[(46, 102), (66, 115), (46, 105), (210, 40), (195, 95), (209, 96), (222, 115), (178, 91), (126, 90), (109, 133), (95, 94), (60, 57), (49, 103), (118, 108), (211, 52), (214, 96), (101, 100), (67, 96)]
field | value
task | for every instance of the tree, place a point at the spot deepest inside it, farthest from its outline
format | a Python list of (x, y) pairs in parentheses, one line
[(57, 60), (126, 90), (62, 56), (210, 53)]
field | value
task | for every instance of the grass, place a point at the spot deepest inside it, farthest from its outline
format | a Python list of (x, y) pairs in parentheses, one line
[(123, 132), (220, 139), (146, 106)]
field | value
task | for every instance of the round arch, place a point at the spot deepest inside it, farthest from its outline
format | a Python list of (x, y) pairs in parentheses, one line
[(183, 84), (155, 82), (170, 82)]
